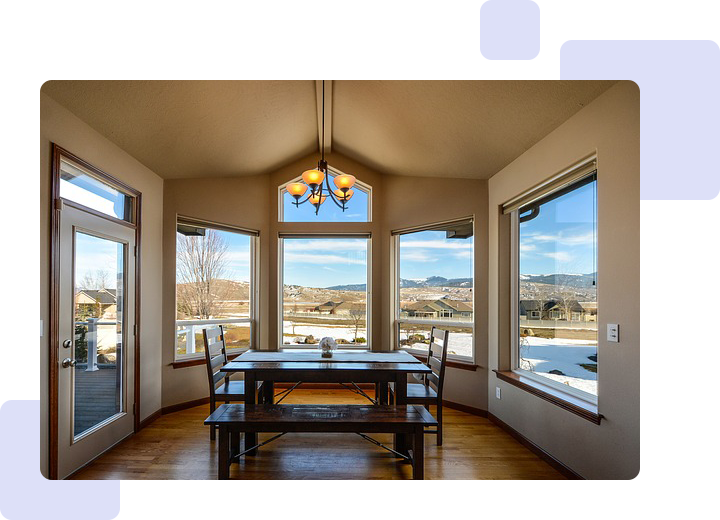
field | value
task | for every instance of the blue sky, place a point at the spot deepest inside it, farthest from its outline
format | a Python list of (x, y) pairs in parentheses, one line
[(324, 262), (429, 253), (94, 254), (561, 238)]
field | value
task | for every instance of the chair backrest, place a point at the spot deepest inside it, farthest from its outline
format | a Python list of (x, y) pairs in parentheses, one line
[(215, 355), (437, 355)]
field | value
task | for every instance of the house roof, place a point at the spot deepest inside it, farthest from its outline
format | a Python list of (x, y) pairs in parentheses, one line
[(103, 296), (439, 305)]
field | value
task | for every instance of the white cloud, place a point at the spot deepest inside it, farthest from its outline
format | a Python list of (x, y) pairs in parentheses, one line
[(417, 256), (310, 258), (463, 255), (559, 256), (524, 247), (435, 244), (334, 245), (561, 238)]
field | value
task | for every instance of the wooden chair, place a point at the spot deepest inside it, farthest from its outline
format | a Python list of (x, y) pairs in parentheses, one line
[(215, 359), (431, 389)]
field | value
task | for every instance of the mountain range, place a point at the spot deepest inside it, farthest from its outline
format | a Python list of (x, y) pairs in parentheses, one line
[(433, 281), (581, 281)]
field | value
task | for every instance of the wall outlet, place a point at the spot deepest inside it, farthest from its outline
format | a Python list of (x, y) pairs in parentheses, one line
[(613, 332), (497, 392)]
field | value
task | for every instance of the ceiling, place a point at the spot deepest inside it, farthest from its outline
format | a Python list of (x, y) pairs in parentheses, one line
[(185, 129)]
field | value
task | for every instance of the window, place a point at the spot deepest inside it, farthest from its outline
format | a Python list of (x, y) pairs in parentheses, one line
[(324, 290), (215, 285), (78, 185), (357, 208), (434, 286), (556, 255)]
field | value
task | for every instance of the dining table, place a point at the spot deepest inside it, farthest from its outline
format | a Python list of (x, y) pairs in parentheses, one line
[(350, 366)]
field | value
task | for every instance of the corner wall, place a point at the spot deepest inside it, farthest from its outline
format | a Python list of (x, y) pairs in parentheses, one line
[(609, 125)]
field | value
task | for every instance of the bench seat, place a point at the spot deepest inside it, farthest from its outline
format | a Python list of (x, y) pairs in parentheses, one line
[(409, 420)]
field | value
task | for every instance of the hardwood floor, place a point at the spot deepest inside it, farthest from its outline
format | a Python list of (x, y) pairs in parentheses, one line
[(178, 446)]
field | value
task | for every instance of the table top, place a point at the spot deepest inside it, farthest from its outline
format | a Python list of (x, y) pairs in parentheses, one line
[(345, 356), (319, 366)]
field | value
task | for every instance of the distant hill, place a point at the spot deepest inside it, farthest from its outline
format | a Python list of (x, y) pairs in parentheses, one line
[(433, 281), (580, 281)]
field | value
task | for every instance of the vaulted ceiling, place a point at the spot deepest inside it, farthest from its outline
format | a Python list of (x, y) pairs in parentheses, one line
[(185, 129)]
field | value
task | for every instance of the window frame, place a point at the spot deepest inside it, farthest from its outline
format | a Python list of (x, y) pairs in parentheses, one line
[(253, 292), (281, 286), (363, 186), (575, 395), (395, 294)]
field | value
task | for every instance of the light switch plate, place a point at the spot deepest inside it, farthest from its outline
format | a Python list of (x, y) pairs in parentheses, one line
[(613, 332), (497, 392)]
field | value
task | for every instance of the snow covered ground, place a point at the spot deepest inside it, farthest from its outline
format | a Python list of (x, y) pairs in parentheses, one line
[(565, 355), (320, 331)]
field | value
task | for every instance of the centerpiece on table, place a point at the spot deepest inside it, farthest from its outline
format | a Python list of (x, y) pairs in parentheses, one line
[(327, 345)]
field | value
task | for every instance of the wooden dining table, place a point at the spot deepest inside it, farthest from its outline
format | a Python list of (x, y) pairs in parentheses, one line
[(292, 366)]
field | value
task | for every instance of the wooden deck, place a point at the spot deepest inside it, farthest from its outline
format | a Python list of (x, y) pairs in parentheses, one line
[(96, 398), (178, 446)]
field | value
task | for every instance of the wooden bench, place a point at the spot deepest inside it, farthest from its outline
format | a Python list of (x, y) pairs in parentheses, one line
[(407, 420)]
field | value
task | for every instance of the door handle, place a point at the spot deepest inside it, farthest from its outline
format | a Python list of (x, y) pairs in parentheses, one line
[(67, 362)]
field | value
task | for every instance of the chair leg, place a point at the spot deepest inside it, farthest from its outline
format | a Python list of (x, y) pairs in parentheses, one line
[(439, 420), (212, 427)]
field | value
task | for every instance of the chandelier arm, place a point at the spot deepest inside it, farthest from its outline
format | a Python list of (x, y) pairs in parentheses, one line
[(331, 193), (298, 202)]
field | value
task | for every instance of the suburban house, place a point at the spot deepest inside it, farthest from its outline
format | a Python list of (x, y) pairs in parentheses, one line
[(441, 308), (567, 310), (234, 217), (340, 308), (97, 302)]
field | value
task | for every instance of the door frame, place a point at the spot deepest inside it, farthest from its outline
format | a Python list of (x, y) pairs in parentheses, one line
[(56, 204)]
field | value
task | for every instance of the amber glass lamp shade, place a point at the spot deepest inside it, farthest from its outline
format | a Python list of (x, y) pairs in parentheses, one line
[(297, 189), (313, 177), (344, 196), (317, 199), (345, 181)]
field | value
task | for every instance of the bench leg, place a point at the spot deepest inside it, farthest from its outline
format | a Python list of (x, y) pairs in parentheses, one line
[(418, 462), (250, 393), (234, 444), (382, 393), (224, 454)]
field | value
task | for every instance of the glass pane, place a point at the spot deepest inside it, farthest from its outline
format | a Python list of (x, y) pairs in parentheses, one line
[(356, 209), (79, 186), (213, 286), (436, 274), (99, 307), (325, 291), (558, 291), (417, 337)]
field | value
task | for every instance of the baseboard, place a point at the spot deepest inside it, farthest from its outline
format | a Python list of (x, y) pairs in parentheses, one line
[(465, 408), (149, 420), (537, 450), (184, 406)]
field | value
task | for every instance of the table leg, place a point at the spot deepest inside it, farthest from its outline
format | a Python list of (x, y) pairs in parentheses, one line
[(234, 444), (268, 392), (250, 391), (223, 454), (382, 393), (418, 454), (400, 439)]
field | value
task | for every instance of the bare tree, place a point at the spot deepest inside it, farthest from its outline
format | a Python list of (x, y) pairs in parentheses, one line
[(567, 302), (358, 317), (201, 264), (100, 279)]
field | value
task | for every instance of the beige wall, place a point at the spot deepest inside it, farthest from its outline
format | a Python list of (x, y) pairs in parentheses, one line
[(610, 125), (57, 125)]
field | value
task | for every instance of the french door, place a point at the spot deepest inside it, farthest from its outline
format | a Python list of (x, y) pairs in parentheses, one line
[(96, 336)]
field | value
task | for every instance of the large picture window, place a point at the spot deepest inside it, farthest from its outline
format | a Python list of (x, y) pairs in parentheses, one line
[(214, 286), (434, 286), (556, 255), (324, 291)]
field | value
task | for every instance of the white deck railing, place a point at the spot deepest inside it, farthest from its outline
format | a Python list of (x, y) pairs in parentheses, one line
[(189, 327), (92, 340)]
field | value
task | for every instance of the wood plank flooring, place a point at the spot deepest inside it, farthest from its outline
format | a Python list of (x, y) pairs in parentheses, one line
[(178, 446)]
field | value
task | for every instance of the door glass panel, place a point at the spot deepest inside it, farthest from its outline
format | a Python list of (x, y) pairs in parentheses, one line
[(99, 332), (79, 186)]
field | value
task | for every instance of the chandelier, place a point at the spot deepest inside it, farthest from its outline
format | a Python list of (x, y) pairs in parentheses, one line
[(313, 179)]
